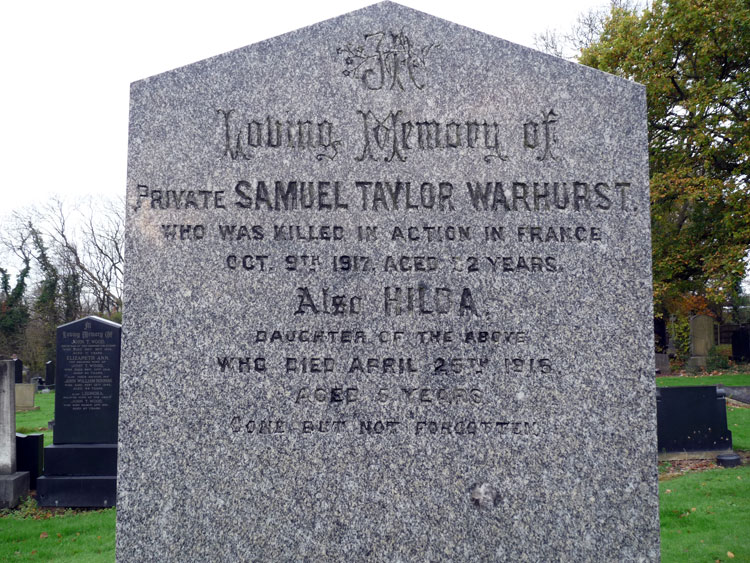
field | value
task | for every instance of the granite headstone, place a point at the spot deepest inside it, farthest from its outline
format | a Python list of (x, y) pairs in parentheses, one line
[(80, 467), (419, 256)]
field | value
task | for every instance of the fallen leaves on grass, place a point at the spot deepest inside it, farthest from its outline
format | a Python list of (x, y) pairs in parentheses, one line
[(730, 555), (43, 536), (679, 467)]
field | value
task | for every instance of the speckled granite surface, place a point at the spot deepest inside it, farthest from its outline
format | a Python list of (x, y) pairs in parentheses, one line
[(388, 298)]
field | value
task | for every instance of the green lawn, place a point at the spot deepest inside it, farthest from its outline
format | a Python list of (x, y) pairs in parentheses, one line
[(705, 516), (35, 422), (728, 379), (738, 422), (33, 534)]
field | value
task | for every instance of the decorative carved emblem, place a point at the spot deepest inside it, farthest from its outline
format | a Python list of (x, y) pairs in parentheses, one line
[(386, 61)]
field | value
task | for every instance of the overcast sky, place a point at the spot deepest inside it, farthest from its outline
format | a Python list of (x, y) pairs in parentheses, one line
[(67, 66)]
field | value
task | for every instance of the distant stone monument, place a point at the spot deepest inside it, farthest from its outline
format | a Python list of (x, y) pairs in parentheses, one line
[(14, 484), (80, 467), (25, 397), (701, 339), (416, 254), (662, 364)]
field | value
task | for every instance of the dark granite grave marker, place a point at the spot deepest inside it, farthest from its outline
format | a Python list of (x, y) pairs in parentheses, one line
[(388, 298), (660, 335), (30, 455), (49, 373), (88, 382), (741, 345), (692, 419), (80, 468), (18, 370)]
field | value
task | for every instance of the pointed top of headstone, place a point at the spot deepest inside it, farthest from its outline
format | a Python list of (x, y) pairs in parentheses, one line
[(395, 27), (90, 318)]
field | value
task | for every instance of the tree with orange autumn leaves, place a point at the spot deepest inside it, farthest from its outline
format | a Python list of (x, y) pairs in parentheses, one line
[(693, 56)]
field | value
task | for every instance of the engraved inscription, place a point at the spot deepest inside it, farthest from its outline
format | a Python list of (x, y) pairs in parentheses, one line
[(429, 276), (391, 136), (244, 138), (508, 429), (385, 137), (88, 372), (541, 135)]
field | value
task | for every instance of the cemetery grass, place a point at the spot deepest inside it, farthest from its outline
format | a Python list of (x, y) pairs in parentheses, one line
[(723, 378), (34, 422), (738, 422), (30, 533), (705, 516)]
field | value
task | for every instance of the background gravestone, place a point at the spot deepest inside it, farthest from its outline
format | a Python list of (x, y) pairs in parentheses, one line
[(661, 356), (14, 484), (692, 419), (388, 298), (662, 364), (30, 455), (49, 374), (25, 397), (18, 370), (80, 468), (701, 339), (660, 335), (741, 345), (87, 391)]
